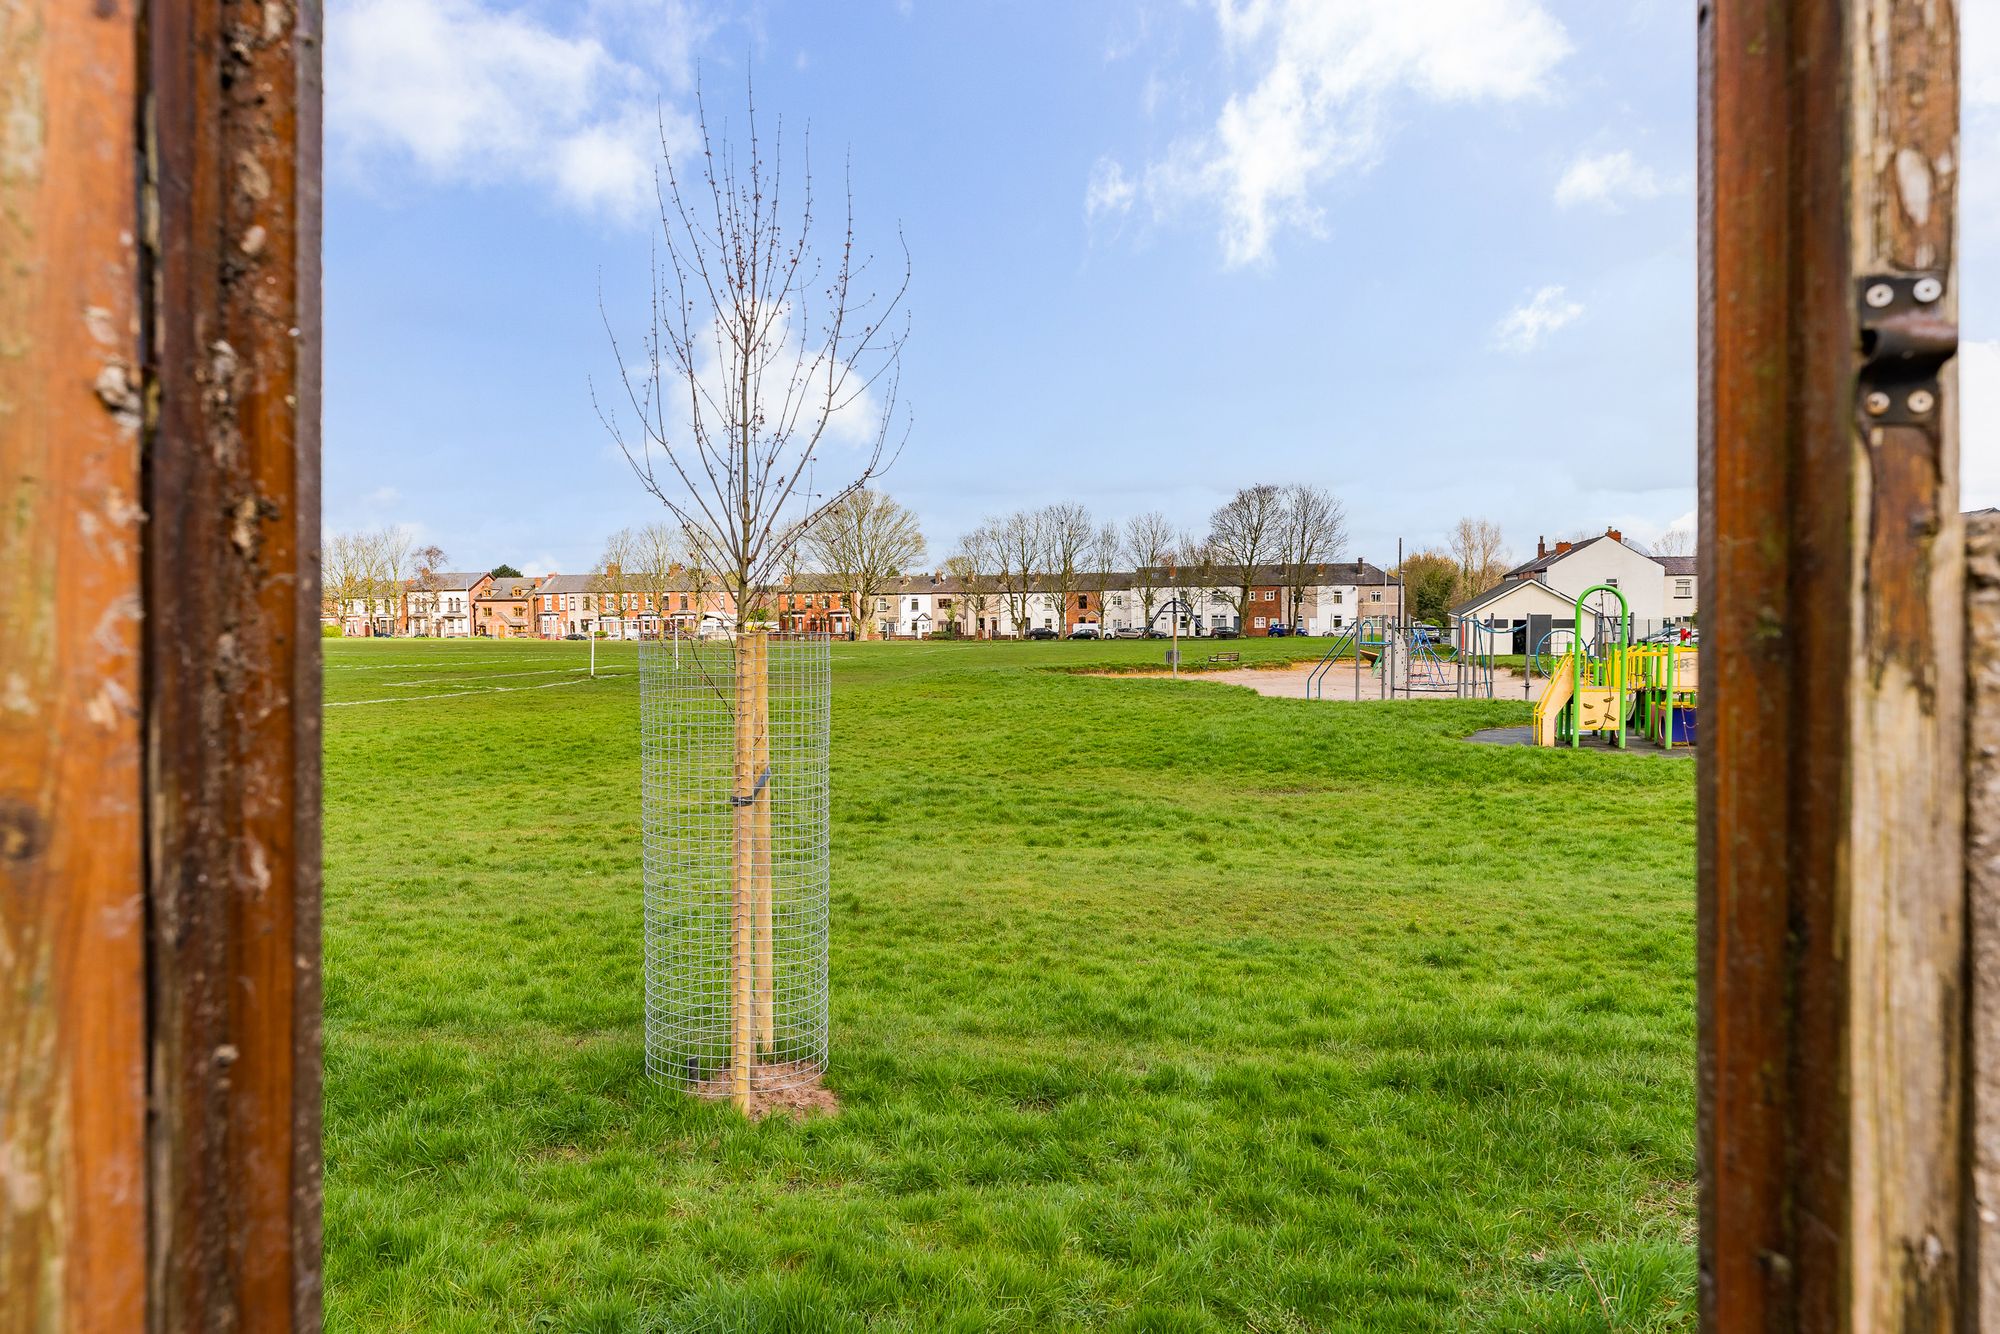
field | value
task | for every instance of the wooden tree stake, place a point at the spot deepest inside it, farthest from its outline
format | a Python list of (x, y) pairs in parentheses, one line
[(760, 868)]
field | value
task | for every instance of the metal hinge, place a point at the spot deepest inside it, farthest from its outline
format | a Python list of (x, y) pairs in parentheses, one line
[(1905, 342)]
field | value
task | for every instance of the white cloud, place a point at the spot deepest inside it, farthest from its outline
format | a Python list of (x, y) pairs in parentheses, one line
[(468, 93), (1327, 70), (1110, 190), (382, 497), (1528, 325), (1607, 180), (1979, 423)]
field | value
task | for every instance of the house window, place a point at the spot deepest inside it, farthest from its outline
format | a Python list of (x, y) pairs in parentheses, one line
[(1683, 588), (1258, 622), (1374, 597), (1611, 583), (1083, 602), (1339, 596)]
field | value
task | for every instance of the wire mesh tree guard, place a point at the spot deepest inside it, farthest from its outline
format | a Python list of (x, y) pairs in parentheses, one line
[(734, 782)]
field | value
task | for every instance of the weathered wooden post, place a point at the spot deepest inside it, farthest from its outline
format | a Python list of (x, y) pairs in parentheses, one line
[(1832, 914), (159, 666)]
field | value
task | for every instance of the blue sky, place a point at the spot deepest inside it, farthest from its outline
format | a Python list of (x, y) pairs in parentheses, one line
[(1438, 257)]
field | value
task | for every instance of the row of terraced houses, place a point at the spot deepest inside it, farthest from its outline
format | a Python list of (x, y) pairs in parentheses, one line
[(1331, 596), (460, 605)]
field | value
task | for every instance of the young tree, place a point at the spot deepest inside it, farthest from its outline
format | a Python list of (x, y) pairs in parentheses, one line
[(765, 341), (1481, 554), (1149, 543), (1067, 534), (1242, 535), (864, 541), (1312, 529)]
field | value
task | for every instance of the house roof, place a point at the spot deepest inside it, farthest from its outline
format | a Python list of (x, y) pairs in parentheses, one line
[(448, 581), (1680, 566), (509, 589), (1504, 588)]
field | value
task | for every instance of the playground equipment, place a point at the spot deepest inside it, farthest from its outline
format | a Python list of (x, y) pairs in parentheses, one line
[(1607, 687), (1410, 658)]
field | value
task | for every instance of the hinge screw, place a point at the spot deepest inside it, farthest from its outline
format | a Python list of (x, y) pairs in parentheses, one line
[(1922, 401), (1927, 290), (1877, 403), (1879, 295)]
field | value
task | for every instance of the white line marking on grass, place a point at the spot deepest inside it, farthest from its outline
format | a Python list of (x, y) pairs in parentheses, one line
[(454, 694), (487, 676)]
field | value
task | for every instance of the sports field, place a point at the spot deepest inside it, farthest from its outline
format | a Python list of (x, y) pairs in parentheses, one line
[(1156, 1006)]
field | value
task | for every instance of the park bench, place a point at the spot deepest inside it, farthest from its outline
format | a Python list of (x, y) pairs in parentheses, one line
[(1225, 657)]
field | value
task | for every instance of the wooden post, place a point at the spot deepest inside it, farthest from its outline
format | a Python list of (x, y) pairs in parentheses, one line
[(159, 666), (72, 804), (1982, 879), (1832, 915), (760, 869), (742, 878)]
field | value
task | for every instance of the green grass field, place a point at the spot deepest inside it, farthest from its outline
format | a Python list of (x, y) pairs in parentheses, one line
[(1156, 1006)]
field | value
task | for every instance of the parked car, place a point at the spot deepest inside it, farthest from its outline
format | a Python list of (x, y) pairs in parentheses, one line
[(1129, 632), (1223, 632), (1084, 632), (1159, 634), (1043, 632), (1279, 631), (574, 635)]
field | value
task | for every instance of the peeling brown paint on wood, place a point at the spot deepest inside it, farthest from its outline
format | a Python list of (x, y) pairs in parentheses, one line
[(159, 668), (72, 1001), (234, 663), (1831, 919)]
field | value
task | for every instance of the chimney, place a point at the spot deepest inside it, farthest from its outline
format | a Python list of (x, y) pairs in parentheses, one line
[(1614, 534), (1541, 548), (1561, 547)]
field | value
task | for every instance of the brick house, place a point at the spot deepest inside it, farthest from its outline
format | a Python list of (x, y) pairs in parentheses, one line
[(504, 609)]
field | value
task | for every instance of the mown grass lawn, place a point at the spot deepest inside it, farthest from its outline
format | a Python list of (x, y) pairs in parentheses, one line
[(1157, 1006)]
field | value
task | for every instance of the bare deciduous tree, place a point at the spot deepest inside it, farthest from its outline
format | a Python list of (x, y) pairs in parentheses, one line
[(761, 345), (430, 569), (1674, 542), (1481, 553), (1149, 543), (865, 540), (1107, 548), (1312, 529), (346, 573), (1019, 547), (975, 593), (615, 579), (1191, 575), (389, 554), (1242, 535), (1067, 534)]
